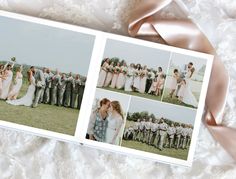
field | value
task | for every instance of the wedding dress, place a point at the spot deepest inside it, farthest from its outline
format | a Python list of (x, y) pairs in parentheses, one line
[(113, 129), (16, 88), (27, 99)]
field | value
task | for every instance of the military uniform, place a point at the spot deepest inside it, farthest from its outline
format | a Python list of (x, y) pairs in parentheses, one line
[(61, 90), (171, 134), (136, 130), (163, 128), (141, 130), (44, 87), (189, 136), (48, 81), (54, 86), (184, 137), (178, 136), (80, 94), (75, 92), (68, 91), (153, 133), (147, 131)]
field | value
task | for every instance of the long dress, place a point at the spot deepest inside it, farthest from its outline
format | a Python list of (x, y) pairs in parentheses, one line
[(186, 93), (143, 81), (115, 76), (1, 83), (102, 75), (120, 83), (173, 83), (16, 87), (129, 79), (137, 79), (27, 99), (109, 76), (6, 84), (114, 127), (153, 87)]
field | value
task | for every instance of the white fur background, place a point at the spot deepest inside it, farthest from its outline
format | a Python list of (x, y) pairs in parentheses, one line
[(26, 156)]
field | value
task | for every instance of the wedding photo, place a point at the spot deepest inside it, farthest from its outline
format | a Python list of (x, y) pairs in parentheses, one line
[(159, 128), (108, 117), (133, 69), (184, 80), (43, 73)]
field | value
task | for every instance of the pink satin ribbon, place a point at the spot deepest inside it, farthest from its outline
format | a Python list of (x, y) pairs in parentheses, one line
[(184, 33)]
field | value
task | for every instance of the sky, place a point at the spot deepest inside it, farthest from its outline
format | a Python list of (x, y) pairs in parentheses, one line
[(45, 46), (159, 109), (180, 60), (133, 53)]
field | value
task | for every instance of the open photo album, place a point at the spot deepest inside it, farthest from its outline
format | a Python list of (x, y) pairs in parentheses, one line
[(102, 90)]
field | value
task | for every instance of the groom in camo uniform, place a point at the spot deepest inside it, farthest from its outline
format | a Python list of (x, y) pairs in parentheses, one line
[(40, 83)]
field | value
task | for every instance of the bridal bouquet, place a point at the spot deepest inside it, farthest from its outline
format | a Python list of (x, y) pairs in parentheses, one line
[(124, 71)]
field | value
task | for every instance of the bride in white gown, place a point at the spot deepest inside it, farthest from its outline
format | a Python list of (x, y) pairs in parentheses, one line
[(115, 124), (27, 99)]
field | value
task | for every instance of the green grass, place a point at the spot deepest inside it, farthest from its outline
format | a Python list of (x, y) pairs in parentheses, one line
[(148, 96), (174, 100), (170, 152), (48, 117)]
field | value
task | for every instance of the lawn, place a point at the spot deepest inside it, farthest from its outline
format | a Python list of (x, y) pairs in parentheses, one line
[(180, 153), (174, 99), (145, 95), (48, 117)]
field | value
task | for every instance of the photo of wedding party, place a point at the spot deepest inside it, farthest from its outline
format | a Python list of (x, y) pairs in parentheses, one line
[(184, 80), (133, 69), (42, 75), (159, 128), (108, 117)]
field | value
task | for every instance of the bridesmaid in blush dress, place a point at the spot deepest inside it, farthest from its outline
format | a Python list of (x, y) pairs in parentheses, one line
[(7, 82), (103, 73), (115, 75), (17, 86), (121, 77), (2, 77), (173, 84), (109, 74), (143, 79)]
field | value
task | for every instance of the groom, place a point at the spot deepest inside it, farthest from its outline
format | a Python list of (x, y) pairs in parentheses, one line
[(40, 84)]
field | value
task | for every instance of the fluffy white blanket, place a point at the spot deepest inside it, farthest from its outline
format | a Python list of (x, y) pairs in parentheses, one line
[(26, 156)]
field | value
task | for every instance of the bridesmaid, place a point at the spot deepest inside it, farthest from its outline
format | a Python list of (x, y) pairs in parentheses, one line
[(173, 84), (121, 77), (7, 82), (2, 77), (137, 72), (103, 73), (129, 78), (160, 85), (17, 86), (159, 73), (143, 79), (109, 74), (153, 87), (115, 75)]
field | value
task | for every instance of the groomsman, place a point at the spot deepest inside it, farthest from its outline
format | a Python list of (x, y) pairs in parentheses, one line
[(147, 130), (189, 136), (61, 89), (81, 93), (171, 134), (163, 128), (153, 132), (75, 90), (43, 91), (179, 129), (136, 129), (184, 137), (141, 130), (54, 86), (48, 81), (68, 92)]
